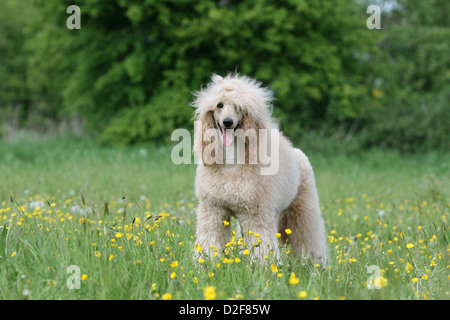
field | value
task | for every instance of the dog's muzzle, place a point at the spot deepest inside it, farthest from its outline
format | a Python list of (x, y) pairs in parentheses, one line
[(227, 131)]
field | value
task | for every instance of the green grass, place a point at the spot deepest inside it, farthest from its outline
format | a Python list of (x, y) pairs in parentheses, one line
[(126, 218)]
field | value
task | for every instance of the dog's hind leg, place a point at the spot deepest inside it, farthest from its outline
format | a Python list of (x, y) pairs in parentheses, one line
[(304, 219)]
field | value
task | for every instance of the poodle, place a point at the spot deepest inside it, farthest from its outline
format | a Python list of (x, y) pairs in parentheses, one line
[(230, 182)]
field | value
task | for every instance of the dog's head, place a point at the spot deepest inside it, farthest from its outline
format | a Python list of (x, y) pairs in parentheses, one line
[(227, 104)]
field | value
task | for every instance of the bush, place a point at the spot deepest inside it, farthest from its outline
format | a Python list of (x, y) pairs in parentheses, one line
[(419, 124), (411, 112), (129, 72), (133, 64), (152, 122)]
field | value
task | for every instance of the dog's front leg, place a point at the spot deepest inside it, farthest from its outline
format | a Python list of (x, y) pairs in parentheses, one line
[(212, 233), (259, 233)]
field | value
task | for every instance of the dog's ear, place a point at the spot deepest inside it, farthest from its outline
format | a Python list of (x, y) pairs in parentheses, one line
[(251, 122), (252, 127), (206, 142)]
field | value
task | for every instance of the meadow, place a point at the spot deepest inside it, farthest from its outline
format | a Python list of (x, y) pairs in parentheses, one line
[(124, 219)]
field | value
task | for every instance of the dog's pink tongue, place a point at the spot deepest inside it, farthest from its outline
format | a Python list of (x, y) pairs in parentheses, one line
[(227, 137)]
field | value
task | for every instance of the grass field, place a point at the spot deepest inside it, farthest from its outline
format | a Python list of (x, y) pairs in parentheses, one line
[(125, 220)]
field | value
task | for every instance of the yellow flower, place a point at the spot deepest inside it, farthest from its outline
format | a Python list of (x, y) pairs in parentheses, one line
[(98, 254), (226, 223), (274, 268), (210, 293), (414, 279), (278, 235), (118, 235), (166, 296), (201, 260), (380, 282), (377, 93), (246, 252), (13, 254), (408, 267), (173, 275), (302, 294), (174, 264), (111, 256), (409, 245), (293, 281), (288, 231), (84, 277)]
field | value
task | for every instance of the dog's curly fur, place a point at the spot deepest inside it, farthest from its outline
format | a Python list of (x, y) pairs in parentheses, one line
[(264, 204)]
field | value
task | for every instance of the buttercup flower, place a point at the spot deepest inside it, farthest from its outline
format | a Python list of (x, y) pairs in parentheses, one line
[(210, 293), (166, 296)]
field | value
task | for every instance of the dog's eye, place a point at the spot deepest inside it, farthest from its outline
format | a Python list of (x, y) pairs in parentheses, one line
[(220, 105)]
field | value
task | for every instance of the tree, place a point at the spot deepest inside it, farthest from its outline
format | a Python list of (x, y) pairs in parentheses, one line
[(412, 113), (131, 68), (14, 93)]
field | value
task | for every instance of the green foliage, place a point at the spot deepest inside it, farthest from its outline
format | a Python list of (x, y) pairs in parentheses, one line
[(150, 122), (14, 94), (130, 70), (410, 112), (12, 73), (133, 65), (421, 125)]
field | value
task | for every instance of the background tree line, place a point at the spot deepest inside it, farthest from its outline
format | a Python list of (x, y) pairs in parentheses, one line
[(126, 77)]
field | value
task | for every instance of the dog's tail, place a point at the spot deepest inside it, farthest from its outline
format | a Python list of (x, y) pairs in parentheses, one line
[(303, 217)]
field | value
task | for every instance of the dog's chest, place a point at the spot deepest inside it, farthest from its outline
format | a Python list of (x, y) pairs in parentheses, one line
[(235, 189)]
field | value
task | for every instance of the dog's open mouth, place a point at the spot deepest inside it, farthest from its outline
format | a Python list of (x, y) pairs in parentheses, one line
[(227, 135)]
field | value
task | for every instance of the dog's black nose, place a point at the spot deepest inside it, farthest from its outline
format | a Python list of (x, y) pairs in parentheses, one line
[(227, 122)]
